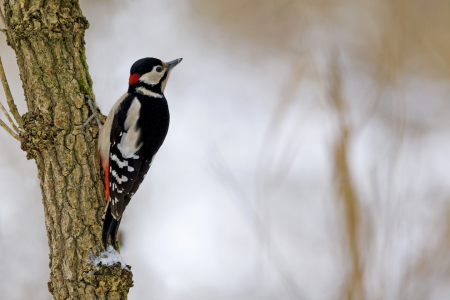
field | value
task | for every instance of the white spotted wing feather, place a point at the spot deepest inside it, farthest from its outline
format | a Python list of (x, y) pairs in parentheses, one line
[(124, 162)]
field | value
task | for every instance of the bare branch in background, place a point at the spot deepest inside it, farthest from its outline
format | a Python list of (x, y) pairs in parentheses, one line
[(9, 130), (10, 100), (2, 16), (5, 83), (274, 253), (9, 118), (346, 191)]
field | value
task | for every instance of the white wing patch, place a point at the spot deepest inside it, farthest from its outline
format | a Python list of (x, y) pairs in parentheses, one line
[(128, 146)]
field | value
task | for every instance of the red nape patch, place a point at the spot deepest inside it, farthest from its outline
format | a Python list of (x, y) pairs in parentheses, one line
[(134, 78)]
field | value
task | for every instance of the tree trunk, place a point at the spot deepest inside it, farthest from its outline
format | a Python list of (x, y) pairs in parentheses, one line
[(48, 38)]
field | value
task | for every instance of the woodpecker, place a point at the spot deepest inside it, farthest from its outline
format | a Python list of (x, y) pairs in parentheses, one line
[(131, 136)]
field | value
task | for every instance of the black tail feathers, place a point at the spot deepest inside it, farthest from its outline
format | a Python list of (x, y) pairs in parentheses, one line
[(110, 228)]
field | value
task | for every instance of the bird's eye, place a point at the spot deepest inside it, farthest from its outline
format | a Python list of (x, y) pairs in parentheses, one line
[(159, 69)]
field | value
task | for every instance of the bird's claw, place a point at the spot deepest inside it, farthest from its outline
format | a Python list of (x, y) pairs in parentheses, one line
[(93, 107)]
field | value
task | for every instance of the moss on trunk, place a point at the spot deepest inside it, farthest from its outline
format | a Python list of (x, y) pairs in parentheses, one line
[(48, 38)]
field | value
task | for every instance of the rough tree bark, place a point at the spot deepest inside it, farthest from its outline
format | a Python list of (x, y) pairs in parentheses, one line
[(48, 39)]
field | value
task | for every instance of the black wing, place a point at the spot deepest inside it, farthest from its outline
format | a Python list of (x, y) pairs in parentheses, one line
[(125, 173)]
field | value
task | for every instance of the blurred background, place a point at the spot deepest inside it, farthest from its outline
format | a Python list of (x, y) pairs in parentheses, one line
[(307, 156)]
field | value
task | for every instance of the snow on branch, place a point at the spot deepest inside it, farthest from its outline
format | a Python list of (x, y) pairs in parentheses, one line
[(110, 257)]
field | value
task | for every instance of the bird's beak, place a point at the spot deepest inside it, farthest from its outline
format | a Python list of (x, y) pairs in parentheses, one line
[(173, 63)]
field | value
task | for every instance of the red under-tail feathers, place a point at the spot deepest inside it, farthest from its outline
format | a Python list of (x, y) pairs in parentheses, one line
[(106, 168)]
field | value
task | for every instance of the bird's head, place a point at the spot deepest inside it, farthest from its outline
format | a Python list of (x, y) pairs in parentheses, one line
[(149, 75)]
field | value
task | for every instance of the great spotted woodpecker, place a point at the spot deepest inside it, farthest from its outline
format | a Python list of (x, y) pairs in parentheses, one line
[(132, 134)]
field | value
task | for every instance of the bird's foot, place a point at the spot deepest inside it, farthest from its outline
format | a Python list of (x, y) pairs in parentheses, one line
[(93, 106)]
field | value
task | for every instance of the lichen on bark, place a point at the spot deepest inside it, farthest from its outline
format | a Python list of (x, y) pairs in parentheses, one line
[(38, 133), (48, 38), (114, 279)]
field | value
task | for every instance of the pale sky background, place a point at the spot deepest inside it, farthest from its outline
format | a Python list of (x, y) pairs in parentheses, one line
[(240, 202)]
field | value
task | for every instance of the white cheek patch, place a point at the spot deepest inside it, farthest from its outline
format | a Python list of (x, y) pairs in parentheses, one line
[(152, 78), (163, 85)]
